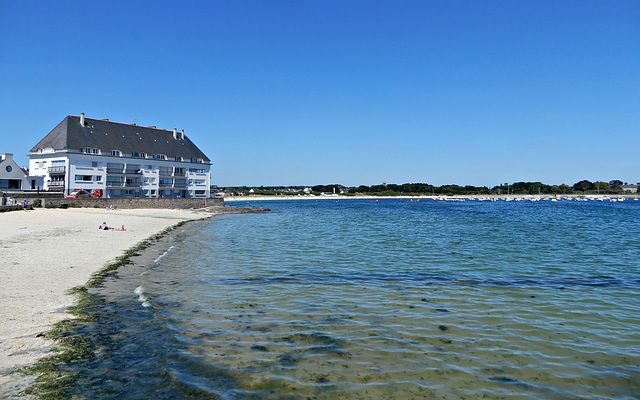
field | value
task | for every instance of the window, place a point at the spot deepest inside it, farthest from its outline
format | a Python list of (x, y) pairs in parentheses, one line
[(95, 151), (178, 158), (160, 157), (116, 153), (143, 155), (199, 192), (135, 154), (84, 178), (94, 164), (197, 170), (98, 178)]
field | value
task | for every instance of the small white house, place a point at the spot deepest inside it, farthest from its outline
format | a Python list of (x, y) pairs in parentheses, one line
[(112, 159), (13, 177)]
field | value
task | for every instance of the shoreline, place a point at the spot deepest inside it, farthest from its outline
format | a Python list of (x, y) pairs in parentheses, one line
[(46, 253), (439, 197)]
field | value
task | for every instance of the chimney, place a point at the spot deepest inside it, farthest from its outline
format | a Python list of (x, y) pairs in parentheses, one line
[(182, 135), (7, 157), (175, 133), (81, 119)]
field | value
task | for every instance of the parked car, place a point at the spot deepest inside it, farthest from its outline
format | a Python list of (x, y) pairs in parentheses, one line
[(77, 193)]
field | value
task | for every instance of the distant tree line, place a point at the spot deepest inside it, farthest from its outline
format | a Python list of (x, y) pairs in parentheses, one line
[(415, 189), (582, 187)]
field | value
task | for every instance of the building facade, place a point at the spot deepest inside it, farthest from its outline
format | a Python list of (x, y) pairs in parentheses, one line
[(13, 177), (114, 160)]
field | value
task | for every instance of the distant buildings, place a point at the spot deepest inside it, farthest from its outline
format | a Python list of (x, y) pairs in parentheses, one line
[(630, 188), (115, 160)]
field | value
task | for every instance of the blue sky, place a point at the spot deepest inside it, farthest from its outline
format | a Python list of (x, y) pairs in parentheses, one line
[(352, 92)]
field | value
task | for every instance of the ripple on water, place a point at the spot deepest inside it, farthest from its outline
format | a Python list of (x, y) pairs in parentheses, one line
[(352, 301)]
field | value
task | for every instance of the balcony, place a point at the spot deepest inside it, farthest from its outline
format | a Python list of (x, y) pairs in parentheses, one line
[(56, 170), (121, 171), (56, 183)]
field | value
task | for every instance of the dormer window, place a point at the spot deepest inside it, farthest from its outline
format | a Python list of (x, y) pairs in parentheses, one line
[(178, 158), (160, 157), (116, 153), (143, 155), (95, 151), (135, 154), (197, 160)]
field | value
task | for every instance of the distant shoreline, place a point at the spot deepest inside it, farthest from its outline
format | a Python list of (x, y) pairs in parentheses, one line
[(439, 197)]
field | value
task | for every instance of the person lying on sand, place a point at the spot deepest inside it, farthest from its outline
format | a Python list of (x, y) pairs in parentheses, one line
[(105, 227)]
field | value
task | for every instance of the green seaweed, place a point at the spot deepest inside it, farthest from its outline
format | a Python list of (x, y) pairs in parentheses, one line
[(52, 381)]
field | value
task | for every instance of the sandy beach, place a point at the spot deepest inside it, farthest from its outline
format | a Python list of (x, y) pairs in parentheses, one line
[(46, 252)]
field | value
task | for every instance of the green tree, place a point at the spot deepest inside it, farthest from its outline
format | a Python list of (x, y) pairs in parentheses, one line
[(583, 186), (601, 186)]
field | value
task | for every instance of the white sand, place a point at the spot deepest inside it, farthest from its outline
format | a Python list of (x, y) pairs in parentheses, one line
[(46, 252)]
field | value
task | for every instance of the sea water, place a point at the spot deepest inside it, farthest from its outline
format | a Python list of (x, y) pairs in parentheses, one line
[(392, 299)]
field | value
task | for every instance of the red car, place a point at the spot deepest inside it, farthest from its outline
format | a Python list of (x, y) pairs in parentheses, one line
[(77, 193)]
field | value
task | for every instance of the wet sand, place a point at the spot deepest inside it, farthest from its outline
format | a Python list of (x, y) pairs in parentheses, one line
[(46, 252)]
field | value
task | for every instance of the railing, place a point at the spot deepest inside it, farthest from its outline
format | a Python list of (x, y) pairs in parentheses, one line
[(56, 183), (124, 184), (56, 170), (122, 171)]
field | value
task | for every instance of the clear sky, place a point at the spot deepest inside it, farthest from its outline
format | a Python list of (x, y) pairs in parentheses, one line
[(302, 92)]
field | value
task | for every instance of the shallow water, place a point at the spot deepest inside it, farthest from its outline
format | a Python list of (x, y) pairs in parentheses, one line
[(387, 300)]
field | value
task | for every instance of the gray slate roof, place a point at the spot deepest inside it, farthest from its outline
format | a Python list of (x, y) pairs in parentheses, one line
[(107, 136)]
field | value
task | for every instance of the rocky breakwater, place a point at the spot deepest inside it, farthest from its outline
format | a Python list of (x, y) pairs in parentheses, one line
[(235, 210)]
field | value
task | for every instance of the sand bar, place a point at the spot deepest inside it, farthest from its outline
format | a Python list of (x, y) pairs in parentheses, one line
[(46, 252)]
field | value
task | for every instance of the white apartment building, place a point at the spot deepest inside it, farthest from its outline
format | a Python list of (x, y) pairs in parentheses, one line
[(112, 160)]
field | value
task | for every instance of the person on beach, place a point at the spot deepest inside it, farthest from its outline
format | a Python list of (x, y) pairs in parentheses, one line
[(105, 227)]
